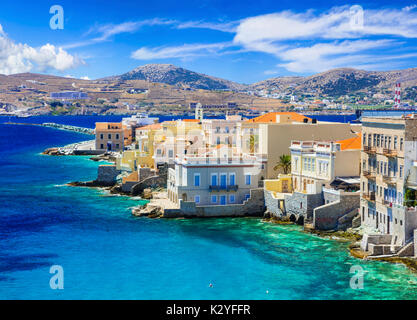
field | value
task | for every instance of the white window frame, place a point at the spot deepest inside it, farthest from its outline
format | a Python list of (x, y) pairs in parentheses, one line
[(199, 180), (250, 179)]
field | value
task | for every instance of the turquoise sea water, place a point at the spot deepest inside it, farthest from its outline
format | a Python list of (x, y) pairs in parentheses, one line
[(106, 253)]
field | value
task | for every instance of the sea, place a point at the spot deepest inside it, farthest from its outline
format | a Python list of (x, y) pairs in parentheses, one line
[(103, 252)]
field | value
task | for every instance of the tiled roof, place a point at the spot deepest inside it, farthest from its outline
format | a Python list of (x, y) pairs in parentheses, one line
[(272, 116), (351, 143)]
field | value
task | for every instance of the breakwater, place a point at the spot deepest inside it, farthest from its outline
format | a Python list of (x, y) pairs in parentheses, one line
[(56, 126)]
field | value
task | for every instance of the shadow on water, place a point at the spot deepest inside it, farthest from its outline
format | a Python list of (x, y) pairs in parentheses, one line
[(12, 263)]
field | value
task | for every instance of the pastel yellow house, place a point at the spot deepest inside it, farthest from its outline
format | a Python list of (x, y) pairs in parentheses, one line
[(143, 153), (281, 185)]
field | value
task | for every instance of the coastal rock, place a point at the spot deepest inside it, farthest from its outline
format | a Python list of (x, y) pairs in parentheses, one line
[(91, 184), (148, 210)]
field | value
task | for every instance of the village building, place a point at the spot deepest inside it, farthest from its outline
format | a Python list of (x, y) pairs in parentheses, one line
[(389, 181)]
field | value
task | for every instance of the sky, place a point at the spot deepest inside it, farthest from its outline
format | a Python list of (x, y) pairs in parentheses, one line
[(244, 41)]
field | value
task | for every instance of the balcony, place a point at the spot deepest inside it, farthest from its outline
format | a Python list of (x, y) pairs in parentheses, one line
[(369, 149), (389, 179), (223, 188), (389, 152), (370, 196), (369, 174), (388, 203)]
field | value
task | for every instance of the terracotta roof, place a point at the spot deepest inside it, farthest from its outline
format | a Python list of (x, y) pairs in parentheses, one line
[(191, 120), (272, 116), (351, 143)]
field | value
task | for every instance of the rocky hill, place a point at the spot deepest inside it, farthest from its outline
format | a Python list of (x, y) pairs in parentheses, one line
[(180, 77), (342, 81)]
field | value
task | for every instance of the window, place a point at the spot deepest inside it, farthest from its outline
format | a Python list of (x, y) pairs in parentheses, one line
[(109, 136), (117, 146), (218, 140), (196, 179), (232, 179), (171, 153), (223, 200), (214, 179), (232, 198), (401, 171), (395, 142), (158, 152), (248, 179), (401, 144), (364, 139), (223, 179), (117, 136), (197, 199), (101, 136), (101, 146), (213, 199)]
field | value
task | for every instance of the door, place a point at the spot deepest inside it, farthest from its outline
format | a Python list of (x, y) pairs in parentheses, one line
[(222, 200), (223, 179), (285, 186)]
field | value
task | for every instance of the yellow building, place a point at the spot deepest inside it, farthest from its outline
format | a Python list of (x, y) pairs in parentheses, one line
[(142, 155), (281, 185)]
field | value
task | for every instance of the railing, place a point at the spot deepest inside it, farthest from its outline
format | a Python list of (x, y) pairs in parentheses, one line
[(369, 174), (224, 188), (389, 179), (369, 149), (370, 196), (388, 203), (389, 152)]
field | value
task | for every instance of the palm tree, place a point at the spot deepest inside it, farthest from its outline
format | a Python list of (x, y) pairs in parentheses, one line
[(252, 143), (284, 163)]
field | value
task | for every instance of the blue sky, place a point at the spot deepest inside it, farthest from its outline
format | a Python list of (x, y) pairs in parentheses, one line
[(244, 41)]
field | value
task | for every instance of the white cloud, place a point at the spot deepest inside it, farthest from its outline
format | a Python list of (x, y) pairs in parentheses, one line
[(183, 51), (85, 78), (106, 31), (19, 57), (324, 56), (218, 26), (310, 42)]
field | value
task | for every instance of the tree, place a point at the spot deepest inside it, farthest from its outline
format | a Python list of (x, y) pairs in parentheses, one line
[(253, 141), (284, 163)]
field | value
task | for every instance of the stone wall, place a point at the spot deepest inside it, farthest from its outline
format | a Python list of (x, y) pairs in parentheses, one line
[(254, 206), (107, 174), (329, 216), (272, 204), (302, 203), (144, 173), (152, 182)]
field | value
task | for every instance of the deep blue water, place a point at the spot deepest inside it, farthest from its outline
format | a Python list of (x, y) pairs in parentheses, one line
[(106, 253)]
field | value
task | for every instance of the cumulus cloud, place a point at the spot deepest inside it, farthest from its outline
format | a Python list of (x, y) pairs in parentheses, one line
[(19, 57), (310, 42)]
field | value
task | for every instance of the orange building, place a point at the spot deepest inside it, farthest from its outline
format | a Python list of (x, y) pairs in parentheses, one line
[(112, 136)]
